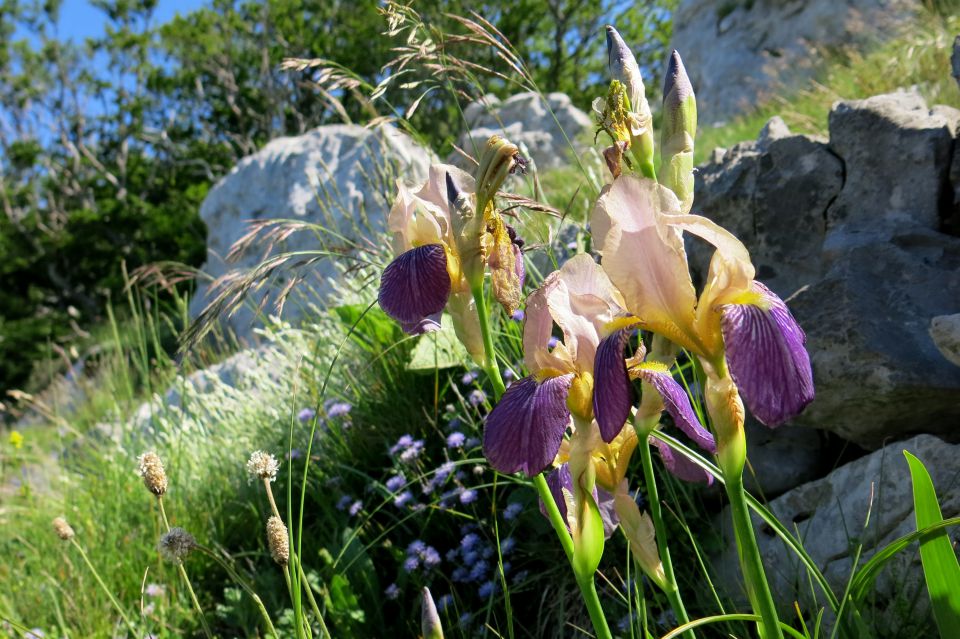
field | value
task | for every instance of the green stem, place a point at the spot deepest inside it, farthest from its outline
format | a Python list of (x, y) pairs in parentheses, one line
[(589, 590), (656, 513), (103, 586), (553, 514), (313, 602), (489, 354), (186, 579), (757, 587)]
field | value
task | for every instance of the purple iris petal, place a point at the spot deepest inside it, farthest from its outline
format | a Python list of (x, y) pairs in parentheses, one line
[(612, 392), (680, 466), (767, 358), (560, 479), (678, 405), (524, 430), (415, 286)]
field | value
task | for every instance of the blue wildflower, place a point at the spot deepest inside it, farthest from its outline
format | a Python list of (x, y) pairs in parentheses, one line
[(392, 592), (479, 570), (507, 545), (456, 439), (416, 547), (344, 502), (476, 397), (405, 442), (337, 409), (454, 423), (154, 590), (552, 342), (460, 574), (306, 415), (469, 541), (411, 563), (444, 602), (411, 453), (473, 442), (508, 374), (355, 508), (469, 377), (396, 482), (512, 511), (403, 499), (468, 496), (431, 558), (518, 315), (486, 589)]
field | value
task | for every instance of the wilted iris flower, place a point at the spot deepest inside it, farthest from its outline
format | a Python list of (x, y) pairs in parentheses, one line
[(445, 234)]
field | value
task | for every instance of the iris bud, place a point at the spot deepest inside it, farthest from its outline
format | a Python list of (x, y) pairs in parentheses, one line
[(430, 626), (678, 132)]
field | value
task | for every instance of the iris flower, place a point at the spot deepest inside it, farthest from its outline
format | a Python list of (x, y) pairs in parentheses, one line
[(440, 244), (585, 376), (736, 322)]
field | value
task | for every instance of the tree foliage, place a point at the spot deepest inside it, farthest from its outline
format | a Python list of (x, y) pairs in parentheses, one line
[(108, 146)]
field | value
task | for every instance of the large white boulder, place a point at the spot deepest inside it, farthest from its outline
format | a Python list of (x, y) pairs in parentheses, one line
[(339, 176)]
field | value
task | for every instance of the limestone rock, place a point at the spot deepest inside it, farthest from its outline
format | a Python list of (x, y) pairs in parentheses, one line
[(897, 155), (742, 53), (339, 176), (829, 515), (772, 195), (945, 332), (877, 372), (526, 120)]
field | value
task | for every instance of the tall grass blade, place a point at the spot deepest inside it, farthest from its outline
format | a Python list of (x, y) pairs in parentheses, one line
[(940, 567)]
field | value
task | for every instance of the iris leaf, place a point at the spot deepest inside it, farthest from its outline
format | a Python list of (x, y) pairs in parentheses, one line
[(940, 567)]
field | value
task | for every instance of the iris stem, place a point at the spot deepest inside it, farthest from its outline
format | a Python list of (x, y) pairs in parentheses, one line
[(750, 562), (489, 354), (656, 513), (587, 587)]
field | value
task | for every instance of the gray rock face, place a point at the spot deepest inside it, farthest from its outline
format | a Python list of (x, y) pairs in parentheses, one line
[(526, 121), (897, 156), (877, 371), (772, 195), (945, 333), (741, 53), (340, 176), (830, 513), (852, 231)]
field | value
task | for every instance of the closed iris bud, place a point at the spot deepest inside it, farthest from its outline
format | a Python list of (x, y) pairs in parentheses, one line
[(430, 626), (624, 69), (678, 132)]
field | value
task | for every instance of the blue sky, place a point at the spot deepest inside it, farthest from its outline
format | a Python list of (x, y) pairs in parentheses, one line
[(79, 19)]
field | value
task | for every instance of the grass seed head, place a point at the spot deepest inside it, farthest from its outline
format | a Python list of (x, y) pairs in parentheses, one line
[(278, 540), (63, 529), (154, 476)]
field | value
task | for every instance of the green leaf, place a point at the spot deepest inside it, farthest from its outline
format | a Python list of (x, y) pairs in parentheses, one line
[(374, 330), (940, 567), (440, 349), (863, 580)]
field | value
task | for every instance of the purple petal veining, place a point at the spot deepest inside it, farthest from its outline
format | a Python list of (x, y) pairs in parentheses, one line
[(612, 392), (767, 358), (678, 405), (415, 286), (524, 430)]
